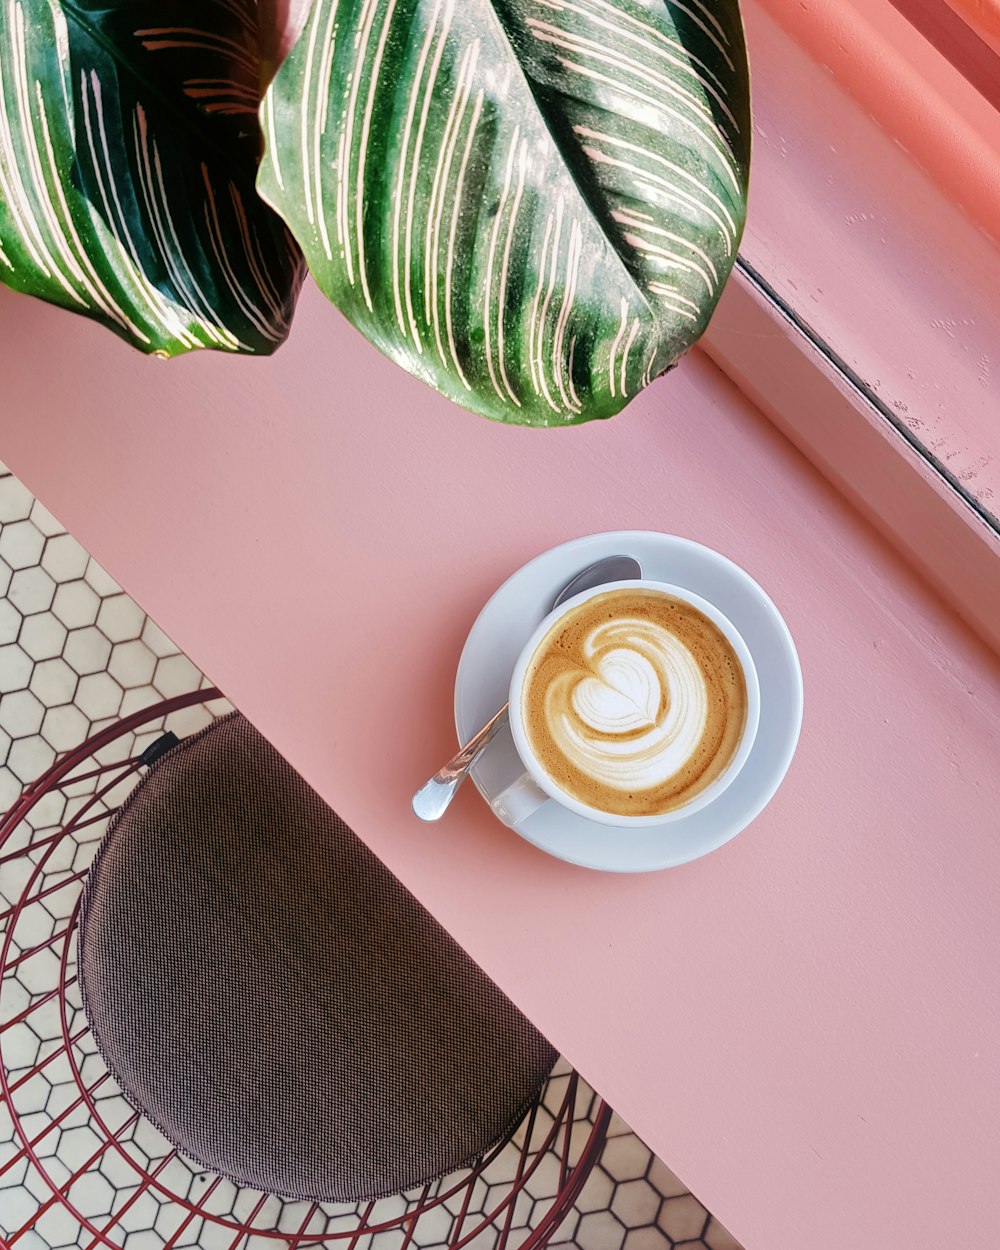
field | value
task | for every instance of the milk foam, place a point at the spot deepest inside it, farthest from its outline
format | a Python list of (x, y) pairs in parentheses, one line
[(640, 717), (634, 702)]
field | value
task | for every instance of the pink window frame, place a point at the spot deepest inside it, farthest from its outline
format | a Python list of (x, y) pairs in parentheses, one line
[(881, 60), (967, 33), (792, 351)]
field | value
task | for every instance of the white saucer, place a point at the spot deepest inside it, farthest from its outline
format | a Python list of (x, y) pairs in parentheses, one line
[(506, 623)]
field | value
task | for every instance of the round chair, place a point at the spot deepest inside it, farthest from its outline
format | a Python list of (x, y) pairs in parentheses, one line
[(223, 1019)]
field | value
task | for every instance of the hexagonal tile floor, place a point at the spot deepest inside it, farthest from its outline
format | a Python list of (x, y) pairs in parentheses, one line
[(76, 655)]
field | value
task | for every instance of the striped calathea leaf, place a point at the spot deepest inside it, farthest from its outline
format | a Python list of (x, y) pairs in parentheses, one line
[(129, 143), (532, 205)]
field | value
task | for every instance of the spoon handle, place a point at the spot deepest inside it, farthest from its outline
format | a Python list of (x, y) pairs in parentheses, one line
[(432, 799)]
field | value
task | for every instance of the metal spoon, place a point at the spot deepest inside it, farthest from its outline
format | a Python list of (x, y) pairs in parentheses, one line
[(431, 801)]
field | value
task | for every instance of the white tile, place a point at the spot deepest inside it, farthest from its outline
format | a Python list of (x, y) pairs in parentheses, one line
[(38, 974), (565, 1233), (13, 882), (44, 519), (33, 1241), (10, 792), (138, 698), (120, 618), (617, 1127), (21, 544), (636, 1202), (626, 1158), (15, 500), (244, 1202), (29, 758), (10, 622), (190, 720), (42, 636), (101, 581), (15, 669), (87, 650), (664, 1181), (34, 1094), (77, 1145), (599, 1231), (544, 1182), (175, 674), (20, 713), (151, 1212), (6, 573), (31, 590), (146, 1239), (60, 1098), (597, 1193), (95, 1195), (76, 605), (682, 1218), (60, 1227), (434, 1227), (651, 1238), (292, 1215), (157, 640), (64, 558), (54, 682), (98, 696), (132, 664), (122, 1175), (21, 1045), (719, 1238), (19, 1206), (48, 810)]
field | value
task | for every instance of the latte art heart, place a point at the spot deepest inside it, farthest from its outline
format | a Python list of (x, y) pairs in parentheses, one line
[(624, 695), (635, 702), (638, 720)]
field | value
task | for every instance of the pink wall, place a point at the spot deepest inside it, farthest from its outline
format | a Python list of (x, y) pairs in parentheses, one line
[(915, 94)]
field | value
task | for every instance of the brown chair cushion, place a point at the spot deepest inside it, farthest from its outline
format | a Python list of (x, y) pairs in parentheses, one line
[(274, 1000)]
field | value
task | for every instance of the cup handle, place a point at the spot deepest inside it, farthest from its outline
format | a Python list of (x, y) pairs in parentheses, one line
[(519, 800)]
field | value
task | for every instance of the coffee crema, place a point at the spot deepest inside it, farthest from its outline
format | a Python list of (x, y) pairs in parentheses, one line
[(634, 702)]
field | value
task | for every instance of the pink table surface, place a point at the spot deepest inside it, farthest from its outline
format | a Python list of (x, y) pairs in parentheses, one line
[(804, 1024)]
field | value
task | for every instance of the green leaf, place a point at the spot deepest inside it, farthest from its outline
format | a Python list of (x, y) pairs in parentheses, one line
[(129, 143), (532, 205)]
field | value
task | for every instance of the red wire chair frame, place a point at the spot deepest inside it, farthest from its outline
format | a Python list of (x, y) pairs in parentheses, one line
[(465, 1227)]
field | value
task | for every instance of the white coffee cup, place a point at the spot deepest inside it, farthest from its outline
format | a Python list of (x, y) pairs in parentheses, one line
[(535, 787)]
